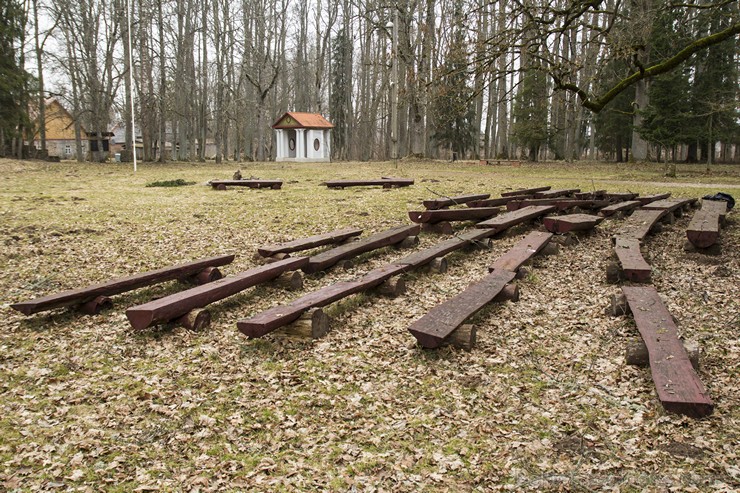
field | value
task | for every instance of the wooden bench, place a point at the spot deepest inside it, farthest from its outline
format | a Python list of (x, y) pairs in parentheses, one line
[(620, 196), (389, 237), (595, 195), (433, 328), (439, 250), (203, 270), (571, 222), (524, 191), (551, 194), (561, 203), (679, 388), (703, 230), (337, 236), (444, 202), (384, 182), (626, 206), (281, 315), (505, 221), (639, 224), (465, 214), (498, 201), (633, 266), (670, 205), (224, 184), (646, 199), (179, 304), (520, 253)]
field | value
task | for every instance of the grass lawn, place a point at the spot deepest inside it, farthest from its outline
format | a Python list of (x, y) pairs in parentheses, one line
[(544, 402)]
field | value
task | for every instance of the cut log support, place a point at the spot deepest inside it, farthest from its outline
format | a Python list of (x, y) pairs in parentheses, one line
[(331, 257), (633, 266), (647, 199), (443, 202), (639, 224), (636, 353), (313, 324), (178, 304), (438, 265), (301, 244), (520, 253), (497, 202), (119, 285), (392, 288), (509, 293), (524, 191), (679, 388), (625, 207), (408, 242), (433, 328), (281, 315), (463, 337), (704, 228), (224, 184), (385, 183), (292, 281), (441, 228), (551, 194), (209, 274), (571, 222), (198, 319), (509, 219), (464, 214), (94, 307)]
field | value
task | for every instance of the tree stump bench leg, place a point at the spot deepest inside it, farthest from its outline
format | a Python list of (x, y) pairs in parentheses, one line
[(636, 353), (292, 281), (392, 288), (313, 324), (209, 274), (408, 242), (509, 293), (198, 319), (464, 337), (442, 228), (95, 306), (438, 265)]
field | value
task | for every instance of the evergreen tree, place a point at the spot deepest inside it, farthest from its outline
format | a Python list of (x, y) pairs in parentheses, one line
[(453, 104), (339, 103), (13, 78), (530, 112), (614, 125)]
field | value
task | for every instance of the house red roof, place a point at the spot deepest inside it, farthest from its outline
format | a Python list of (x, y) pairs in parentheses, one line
[(294, 119)]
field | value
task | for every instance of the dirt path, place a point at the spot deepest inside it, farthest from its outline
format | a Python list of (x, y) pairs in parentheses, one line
[(719, 186)]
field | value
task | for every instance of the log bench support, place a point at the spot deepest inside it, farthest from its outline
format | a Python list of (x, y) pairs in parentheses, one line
[(678, 386), (440, 228), (93, 307), (313, 324)]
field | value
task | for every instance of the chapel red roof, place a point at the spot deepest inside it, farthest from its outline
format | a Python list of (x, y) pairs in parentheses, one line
[(296, 119)]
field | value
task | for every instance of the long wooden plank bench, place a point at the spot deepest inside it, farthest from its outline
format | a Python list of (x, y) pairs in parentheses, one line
[(551, 194), (646, 199), (423, 257), (389, 237), (620, 196), (595, 195), (434, 327), (301, 244), (498, 201), (178, 304), (524, 191), (281, 315), (704, 228), (625, 206), (224, 184), (632, 264), (561, 203), (671, 205), (443, 202), (385, 183), (571, 222), (520, 253), (505, 221), (465, 214), (122, 284), (640, 223), (679, 388)]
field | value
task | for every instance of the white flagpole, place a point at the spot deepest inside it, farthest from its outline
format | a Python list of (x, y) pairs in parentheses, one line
[(131, 80)]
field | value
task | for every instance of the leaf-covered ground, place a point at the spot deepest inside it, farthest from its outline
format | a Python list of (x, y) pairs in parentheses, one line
[(545, 402)]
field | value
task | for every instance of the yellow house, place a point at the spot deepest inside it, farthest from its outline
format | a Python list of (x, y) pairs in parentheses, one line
[(60, 132)]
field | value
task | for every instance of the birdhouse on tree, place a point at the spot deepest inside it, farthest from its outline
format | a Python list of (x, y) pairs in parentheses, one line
[(303, 137)]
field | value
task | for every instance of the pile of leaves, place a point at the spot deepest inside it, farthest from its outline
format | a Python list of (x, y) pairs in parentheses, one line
[(179, 182)]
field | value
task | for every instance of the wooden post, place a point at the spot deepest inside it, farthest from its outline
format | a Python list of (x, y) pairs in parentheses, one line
[(209, 274), (95, 306), (197, 319), (408, 242), (292, 281), (442, 228), (618, 306), (276, 258), (613, 272), (313, 324), (392, 287), (438, 265), (463, 337), (636, 353), (509, 293), (550, 249)]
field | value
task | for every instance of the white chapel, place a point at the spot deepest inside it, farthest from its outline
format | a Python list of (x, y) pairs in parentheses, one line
[(303, 137)]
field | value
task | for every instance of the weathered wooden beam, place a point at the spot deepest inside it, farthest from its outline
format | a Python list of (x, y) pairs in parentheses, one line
[(633, 266), (524, 191), (551, 194), (626, 206), (119, 285), (465, 214), (499, 201), (223, 184), (178, 304), (678, 386), (670, 205), (441, 203), (704, 228), (639, 224), (561, 203), (300, 244), (389, 237), (278, 316), (571, 222), (647, 199), (433, 328), (385, 183), (521, 252), (505, 221)]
